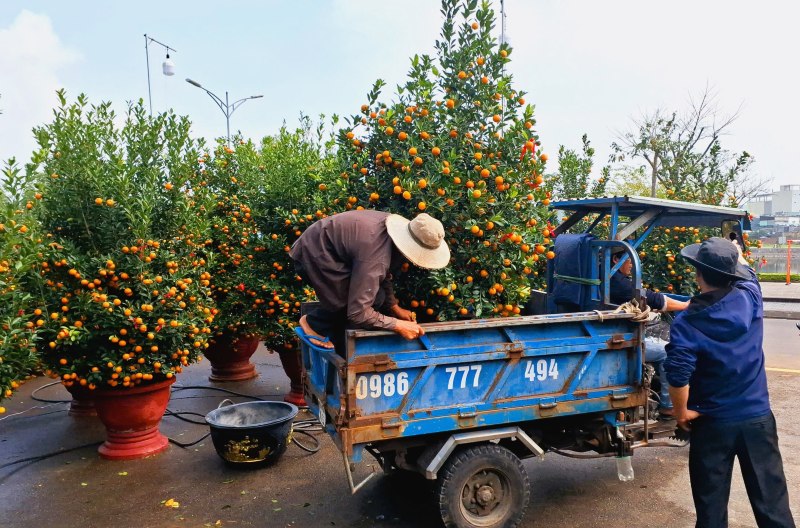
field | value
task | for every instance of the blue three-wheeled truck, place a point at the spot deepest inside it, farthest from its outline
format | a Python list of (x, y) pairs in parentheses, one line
[(471, 398)]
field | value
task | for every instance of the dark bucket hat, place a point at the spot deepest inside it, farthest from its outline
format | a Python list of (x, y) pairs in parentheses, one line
[(716, 254)]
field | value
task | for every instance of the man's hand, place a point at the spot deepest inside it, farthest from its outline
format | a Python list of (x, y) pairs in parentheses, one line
[(742, 260), (403, 314), (685, 418), (674, 305), (408, 329)]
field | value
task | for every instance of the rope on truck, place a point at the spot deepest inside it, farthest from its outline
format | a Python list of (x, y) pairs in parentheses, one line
[(632, 307)]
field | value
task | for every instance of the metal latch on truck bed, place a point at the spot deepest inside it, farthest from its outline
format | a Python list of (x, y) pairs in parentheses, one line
[(620, 399), (547, 403), (466, 413)]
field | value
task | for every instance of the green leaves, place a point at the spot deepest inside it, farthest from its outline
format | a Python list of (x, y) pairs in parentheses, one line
[(19, 245), (117, 281), (573, 179), (449, 144)]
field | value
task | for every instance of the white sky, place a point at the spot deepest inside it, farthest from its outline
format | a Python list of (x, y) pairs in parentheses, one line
[(588, 66)]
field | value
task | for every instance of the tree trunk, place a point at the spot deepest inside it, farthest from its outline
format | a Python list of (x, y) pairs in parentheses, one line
[(654, 182)]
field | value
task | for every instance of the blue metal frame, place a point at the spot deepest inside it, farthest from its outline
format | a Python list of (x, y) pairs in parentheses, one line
[(606, 246), (676, 212)]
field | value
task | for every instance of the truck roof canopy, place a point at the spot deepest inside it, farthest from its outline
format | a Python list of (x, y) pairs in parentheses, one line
[(668, 212)]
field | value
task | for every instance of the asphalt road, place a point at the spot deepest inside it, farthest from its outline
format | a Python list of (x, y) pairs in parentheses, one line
[(78, 489), (782, 344)]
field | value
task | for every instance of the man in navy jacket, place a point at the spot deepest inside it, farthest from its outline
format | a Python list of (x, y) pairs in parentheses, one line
[(715, 369)]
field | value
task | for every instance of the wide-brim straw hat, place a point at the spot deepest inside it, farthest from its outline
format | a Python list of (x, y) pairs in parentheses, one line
[(420, 240), (719, 255)]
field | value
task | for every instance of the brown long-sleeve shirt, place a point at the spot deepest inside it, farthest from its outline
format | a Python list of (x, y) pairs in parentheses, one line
[(347, 259)]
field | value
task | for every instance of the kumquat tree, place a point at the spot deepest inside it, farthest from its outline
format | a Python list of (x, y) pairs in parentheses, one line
[(123, 295), (236, 259), (289, 196), (19, 248), (662, 265), (265, 195), (458, 142)]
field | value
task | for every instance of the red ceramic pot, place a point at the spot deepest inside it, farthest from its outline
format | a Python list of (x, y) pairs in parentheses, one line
[(131, 417), (230, 358), (293, 367)]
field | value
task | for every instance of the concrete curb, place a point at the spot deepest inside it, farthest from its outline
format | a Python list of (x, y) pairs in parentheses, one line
[(782, 299), (781, 314)]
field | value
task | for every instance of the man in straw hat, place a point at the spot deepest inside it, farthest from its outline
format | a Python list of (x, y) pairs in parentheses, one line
[(715, 368), (348, 259)]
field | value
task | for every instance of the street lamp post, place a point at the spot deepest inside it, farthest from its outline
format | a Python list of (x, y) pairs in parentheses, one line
[(168, 67), (227, 109)]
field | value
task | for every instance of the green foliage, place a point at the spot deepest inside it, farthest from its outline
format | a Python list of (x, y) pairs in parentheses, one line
[(451, 144), (19, 246), (663, 269), (289, 195), (778, 277), (293, 164), (573, 179), (631, 181), (264, 196), (124, 217)]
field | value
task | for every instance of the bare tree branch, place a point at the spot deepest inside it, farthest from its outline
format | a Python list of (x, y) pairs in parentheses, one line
[(683, 150)]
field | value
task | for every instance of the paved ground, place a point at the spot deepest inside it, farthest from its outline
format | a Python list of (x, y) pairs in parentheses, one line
[(781, 300), (780, 290), (78, 489), (782, 344)]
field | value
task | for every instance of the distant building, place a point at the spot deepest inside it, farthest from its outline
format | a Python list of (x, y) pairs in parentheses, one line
[(760, 205), (784, 203), (786, 200), (778, 221)]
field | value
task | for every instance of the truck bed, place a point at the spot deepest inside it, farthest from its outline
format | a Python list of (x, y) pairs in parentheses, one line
[(475, 374)]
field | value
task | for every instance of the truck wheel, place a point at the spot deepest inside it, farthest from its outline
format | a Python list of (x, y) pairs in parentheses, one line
[(483, 486)]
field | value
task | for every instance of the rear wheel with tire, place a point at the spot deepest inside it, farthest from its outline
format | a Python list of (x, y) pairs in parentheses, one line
[(483, 486)]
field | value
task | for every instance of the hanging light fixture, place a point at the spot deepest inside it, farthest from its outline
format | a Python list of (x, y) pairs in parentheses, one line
[(168, 67)]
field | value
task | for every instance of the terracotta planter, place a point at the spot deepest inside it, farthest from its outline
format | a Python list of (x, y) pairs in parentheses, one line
[(293, 367), (131, 417), (230, 358), (82, 404)]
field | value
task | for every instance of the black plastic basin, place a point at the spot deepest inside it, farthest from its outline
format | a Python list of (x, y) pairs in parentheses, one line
[(252, 433)]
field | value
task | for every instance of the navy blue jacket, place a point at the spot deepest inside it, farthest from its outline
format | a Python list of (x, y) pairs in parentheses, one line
[(621, 290), (716, 348)]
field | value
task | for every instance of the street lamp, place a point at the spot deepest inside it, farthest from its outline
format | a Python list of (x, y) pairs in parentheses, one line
[(167, 68), (226, 108)]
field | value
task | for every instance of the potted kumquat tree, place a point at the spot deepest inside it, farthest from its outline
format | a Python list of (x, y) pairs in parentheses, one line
[(237, 269), (123, 300), (264, 196), (293, 167)]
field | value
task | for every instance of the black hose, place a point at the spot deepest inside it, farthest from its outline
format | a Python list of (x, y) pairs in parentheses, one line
[(48, 455), (305, 428), (581, 455), (218, 389), (179, 416), (34, 397), (190, 444)]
